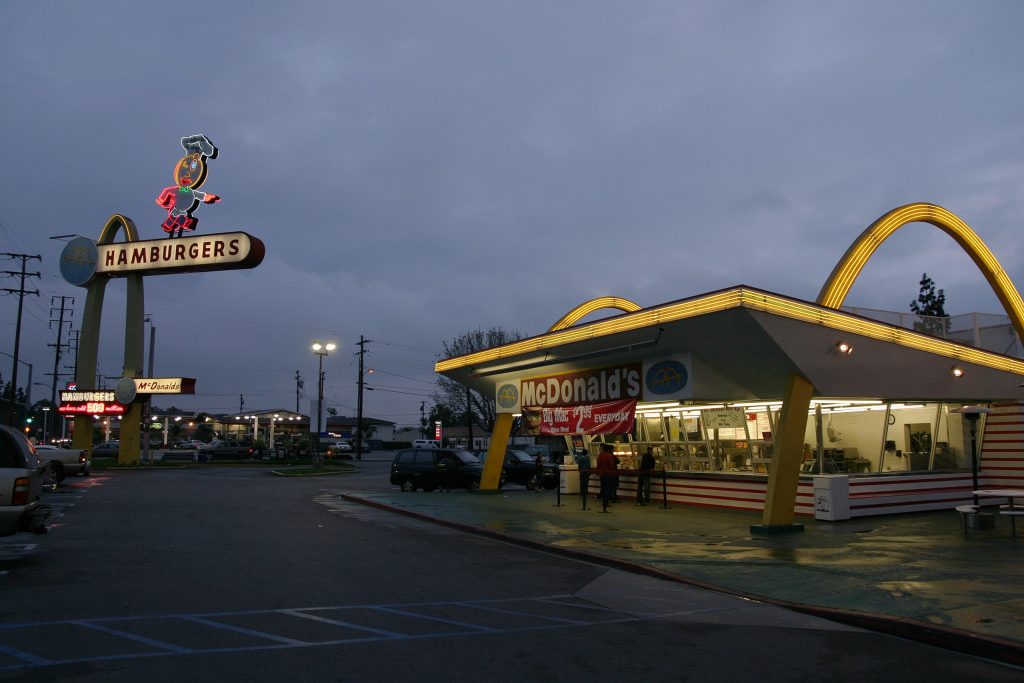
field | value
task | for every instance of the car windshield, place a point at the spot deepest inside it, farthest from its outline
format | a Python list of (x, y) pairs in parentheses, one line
[(521, 456), (467, 458)]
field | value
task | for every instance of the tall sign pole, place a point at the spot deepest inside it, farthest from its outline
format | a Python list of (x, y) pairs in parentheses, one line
[(92, 265)]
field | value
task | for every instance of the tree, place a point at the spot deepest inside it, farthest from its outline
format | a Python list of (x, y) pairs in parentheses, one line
[(452, 395), (930, 303)]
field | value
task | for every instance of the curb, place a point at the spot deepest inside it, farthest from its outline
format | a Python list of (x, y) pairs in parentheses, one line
[(945, 637)]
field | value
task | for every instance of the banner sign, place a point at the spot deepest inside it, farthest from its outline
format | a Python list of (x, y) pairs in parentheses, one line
[(609, 417), (82, 260), (165, 385), (102, 395), (724, 418), (582, 387)]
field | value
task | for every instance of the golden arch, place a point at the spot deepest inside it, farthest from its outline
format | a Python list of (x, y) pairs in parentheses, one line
[(784, 470), (589, 307), (846, 271), (89, 341)]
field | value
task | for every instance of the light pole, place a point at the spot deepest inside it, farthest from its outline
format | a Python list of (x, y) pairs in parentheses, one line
[(147, 456), (321, 349), (971, 414), (46, 423)]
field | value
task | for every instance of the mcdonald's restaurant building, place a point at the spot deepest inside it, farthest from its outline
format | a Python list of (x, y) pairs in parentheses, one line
[(755, 400)]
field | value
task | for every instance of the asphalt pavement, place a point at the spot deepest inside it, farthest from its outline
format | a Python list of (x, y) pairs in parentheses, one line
[(913, 575)]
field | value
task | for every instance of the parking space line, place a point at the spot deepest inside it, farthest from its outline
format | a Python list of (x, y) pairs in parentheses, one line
[(486, 608), (26, 657), (131, 636), (275, 642), (246, 631), (451, 622), (346, 624)]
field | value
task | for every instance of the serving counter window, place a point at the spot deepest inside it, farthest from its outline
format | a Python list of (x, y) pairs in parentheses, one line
[(843, 436)]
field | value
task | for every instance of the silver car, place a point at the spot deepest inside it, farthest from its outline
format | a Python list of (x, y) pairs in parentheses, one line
[(21, 482)]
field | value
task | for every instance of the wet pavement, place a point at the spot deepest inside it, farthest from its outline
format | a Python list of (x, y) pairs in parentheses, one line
[(914, 575)]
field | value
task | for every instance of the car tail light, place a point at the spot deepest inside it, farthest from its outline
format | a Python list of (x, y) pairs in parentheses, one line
[(20, 496)]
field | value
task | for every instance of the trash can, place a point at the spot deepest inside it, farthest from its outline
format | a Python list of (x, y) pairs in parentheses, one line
[(568, 478), (831, 497)]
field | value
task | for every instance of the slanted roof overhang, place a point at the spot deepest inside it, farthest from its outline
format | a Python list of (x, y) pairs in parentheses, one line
[(745, 342)]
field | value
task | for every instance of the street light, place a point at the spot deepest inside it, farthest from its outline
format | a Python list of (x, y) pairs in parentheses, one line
[(321, 349)]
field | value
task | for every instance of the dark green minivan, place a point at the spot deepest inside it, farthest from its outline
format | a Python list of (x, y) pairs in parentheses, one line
[(431, 468)]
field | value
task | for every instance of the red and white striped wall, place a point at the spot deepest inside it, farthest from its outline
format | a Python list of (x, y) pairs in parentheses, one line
[(1002, 447)]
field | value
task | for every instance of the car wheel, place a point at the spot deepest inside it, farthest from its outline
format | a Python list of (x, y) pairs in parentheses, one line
[(408, 486), (58, 471)]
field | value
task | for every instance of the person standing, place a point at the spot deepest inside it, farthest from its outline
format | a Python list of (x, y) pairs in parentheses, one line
[(607, 471), (583, 462), (643, 479)]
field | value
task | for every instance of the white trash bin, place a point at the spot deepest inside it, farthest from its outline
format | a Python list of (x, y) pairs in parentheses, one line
[(569, 478), (831, 497)]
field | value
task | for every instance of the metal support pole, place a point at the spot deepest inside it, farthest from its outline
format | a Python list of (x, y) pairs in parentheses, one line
[(664, 489)]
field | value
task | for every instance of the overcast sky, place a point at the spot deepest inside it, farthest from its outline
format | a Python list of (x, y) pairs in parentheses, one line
[(418, 169)]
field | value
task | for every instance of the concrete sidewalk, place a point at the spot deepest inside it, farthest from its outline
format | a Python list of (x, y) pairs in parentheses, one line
[(913, 575)]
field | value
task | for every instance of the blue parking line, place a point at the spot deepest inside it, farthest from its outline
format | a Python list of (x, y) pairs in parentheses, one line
[(246, 631), (346, 624), (131, 636), (26, 657), (28, 661), (417, 615)]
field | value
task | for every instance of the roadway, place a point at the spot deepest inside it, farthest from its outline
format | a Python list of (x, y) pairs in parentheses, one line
[(234, 574)]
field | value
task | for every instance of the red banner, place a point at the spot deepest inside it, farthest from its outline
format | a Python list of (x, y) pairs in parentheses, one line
[(611, 417)]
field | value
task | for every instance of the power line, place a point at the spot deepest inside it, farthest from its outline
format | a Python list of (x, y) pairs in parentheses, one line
[(21, 292)]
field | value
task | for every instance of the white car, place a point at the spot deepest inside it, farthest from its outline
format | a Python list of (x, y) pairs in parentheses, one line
[(63, 461), (21, 484)]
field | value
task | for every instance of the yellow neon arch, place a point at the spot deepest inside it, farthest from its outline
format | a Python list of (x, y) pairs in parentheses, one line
[(846, 271), (588, 307)]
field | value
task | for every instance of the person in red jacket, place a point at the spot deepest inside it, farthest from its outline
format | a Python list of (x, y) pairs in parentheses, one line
[(608, 471)]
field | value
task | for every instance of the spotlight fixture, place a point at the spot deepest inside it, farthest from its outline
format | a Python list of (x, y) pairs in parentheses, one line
[(957, 371), (843, 347)]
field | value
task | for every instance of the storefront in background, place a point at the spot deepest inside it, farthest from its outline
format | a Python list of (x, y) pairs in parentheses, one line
[(703, 382)]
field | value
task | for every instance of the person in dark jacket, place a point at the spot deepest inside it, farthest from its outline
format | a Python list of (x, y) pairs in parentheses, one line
[(643, 479)]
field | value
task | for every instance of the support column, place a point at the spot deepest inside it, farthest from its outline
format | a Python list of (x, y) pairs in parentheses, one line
[(784, 470), (495, 459)]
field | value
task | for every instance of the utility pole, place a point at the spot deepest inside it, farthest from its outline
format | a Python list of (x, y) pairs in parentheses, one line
[(359, 399), (57, 348), (21, 292), (298, 390), (469, 419), (241, 403), (423, 420)]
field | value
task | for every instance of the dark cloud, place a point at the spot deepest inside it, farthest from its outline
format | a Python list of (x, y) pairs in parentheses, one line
[(420, 169)]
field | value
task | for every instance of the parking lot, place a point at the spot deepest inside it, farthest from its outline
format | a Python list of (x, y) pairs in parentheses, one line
[(225, 573)]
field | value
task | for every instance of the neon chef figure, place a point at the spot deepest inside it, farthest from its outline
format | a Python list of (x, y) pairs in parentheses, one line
[(183, 198)]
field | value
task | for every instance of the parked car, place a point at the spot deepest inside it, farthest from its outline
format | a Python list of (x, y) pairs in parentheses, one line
[(341, 450), (21, 482), (63, 461), (430, 468), (106, 449), (226, 450), (194, 444), (521, 468), (426, 443)]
